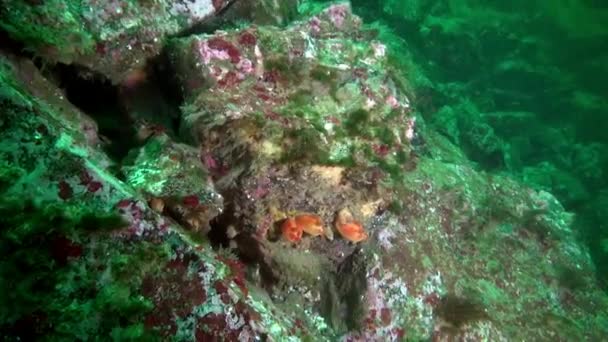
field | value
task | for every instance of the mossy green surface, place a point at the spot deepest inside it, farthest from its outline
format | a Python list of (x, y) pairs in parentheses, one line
[(504, 255), (53, 24), (52, 274), (491, 76)]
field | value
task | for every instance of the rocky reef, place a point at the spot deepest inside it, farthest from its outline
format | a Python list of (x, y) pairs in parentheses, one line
[(271, 180)]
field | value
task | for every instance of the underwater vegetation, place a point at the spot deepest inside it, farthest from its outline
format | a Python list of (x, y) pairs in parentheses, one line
[(244, 170), (52, 284), (519, 87)]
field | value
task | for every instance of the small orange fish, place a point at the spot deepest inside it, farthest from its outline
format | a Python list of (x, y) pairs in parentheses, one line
[(311, 224), (352, 232), (350, 229), (291, 231)]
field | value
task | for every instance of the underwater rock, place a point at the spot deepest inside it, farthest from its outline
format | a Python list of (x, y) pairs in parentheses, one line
[(265, 104), (114, 38), (95, 242), (342, 292), (280, 122), (175, 182), (29, 79), (275, 118), (351, 283), (260, 12)]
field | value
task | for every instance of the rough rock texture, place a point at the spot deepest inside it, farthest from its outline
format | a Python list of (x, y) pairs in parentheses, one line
[(261, 12), (136, 269), (114, 38), (174, 181), (185, 242), (519, 88), (307, 120)]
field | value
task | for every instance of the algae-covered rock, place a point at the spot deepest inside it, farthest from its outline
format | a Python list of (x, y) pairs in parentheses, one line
[(493, 78), (175, 182), (289, 133), (114, 38), (260, 12), (88, 257), (306, 130)]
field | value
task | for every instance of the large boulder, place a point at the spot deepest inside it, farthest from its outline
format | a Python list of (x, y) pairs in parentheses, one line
[(307, 121), (114, 38)]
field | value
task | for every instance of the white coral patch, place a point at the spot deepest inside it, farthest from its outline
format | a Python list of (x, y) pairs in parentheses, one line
[(379, 50), (384, 238), (194, 10)]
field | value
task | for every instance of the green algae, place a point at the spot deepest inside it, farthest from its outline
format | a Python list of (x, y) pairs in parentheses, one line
[(481, 78), (349, 147), (37, 239), (63, 30)]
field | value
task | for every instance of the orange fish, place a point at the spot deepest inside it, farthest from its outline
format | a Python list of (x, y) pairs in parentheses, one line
[(350, 229), (311, 224), (291, 231), (352, 232)]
